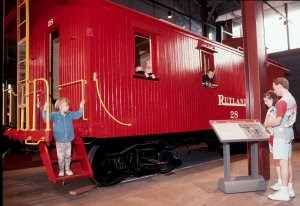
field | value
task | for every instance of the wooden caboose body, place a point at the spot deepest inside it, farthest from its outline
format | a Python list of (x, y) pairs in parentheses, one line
[(88, 49)]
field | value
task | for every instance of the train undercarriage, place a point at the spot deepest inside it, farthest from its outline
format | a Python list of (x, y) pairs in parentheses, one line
[(112, 165)]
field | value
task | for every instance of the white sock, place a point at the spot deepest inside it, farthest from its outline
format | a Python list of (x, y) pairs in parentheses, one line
[(279, 181), (290, 185)]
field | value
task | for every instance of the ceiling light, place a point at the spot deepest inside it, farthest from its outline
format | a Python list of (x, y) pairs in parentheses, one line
[(169, 14)]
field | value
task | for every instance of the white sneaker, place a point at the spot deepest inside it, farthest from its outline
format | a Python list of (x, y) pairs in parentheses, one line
[(276, 186), (61, 173), (291, 192), (279, 195), (69, 172)]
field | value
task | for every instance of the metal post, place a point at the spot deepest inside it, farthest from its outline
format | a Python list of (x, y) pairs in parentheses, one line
[(34, 107), (254, 159), (226, 159)]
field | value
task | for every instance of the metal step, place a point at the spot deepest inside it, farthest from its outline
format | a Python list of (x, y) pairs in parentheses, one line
[(73, 159)]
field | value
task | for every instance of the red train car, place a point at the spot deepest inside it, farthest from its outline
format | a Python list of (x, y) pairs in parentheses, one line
[(141, 78)]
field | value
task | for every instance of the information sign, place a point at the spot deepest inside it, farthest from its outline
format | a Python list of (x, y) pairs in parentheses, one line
[(247, 130), (239, 130)]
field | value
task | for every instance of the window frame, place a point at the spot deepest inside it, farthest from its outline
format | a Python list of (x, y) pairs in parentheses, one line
[(210, 64), (153, 52), (207, 59)]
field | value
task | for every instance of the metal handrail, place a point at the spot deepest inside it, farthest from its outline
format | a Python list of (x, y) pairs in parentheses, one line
[(20, 115), (102, 103), (11, 93), (28, 141), (83, 82), (34, 103)]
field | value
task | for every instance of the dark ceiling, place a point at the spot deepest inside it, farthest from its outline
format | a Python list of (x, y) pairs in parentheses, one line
[(221, 7)]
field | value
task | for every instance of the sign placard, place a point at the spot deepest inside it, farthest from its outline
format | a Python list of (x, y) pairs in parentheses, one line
[(239, 130)]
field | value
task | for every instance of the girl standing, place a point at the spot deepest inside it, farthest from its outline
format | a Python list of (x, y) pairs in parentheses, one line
[(63, 132)]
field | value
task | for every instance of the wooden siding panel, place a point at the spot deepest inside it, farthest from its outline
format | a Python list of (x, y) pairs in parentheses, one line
[(74, 61)]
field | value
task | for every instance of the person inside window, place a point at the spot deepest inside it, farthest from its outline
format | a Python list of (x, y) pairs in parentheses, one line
[(208, 79), (147, 71)]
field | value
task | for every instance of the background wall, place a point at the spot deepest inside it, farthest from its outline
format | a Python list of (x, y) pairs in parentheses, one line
[(290, 59)]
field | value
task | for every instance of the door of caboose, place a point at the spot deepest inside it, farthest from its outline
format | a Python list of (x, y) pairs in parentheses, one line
[(54, 65)]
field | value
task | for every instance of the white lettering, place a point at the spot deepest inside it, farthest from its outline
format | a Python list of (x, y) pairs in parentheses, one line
[(231, 101), (234, 114), (221, 97)]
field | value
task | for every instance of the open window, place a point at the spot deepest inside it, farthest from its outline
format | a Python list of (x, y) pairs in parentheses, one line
[(143, 57), (207, 64)]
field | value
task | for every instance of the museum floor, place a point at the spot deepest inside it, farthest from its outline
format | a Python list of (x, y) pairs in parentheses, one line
[(190, 186)]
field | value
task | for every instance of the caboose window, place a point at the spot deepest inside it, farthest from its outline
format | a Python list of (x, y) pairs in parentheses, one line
[(143, 57), (207, 62), (207, 68), (206, 52), (142, 50)]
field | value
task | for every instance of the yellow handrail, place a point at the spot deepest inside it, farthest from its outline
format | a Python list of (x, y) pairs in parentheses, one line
[(102, 104), (20, 115), (83, 82), (42, 139), (34, 103), (23, 60), (39, 91), (22, 81), (11, 93), (70, 83), (34, 106)]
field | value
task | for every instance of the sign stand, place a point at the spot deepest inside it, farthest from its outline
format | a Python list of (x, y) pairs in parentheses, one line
[(230, 184), (253, 132)]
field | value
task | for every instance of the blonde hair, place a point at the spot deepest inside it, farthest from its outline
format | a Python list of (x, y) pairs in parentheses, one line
[(60, 101)]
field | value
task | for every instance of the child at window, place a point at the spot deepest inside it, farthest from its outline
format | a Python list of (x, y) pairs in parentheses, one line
[(147, 71), (270, 99), (207, 80), (63, 132)]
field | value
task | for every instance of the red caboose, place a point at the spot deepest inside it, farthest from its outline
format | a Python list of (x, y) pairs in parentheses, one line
[(141, 78)]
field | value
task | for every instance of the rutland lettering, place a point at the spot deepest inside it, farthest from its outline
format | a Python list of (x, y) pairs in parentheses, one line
[(231, 101)]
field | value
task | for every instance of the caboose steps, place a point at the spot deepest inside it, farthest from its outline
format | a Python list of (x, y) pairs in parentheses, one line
[(78, 174), (80, 165), (74, 159)]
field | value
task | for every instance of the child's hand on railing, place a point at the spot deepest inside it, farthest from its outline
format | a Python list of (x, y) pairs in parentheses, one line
[(82, 103), (46, 106)]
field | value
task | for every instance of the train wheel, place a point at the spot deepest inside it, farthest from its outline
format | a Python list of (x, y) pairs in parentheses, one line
[(105, 173), (168, 163)]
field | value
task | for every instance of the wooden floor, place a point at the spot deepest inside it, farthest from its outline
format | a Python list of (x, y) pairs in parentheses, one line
[(194, 186)]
